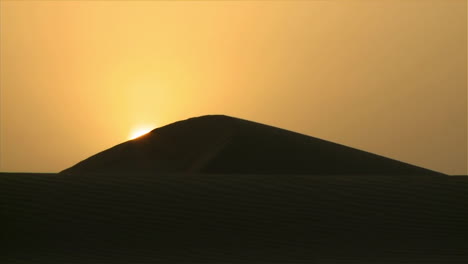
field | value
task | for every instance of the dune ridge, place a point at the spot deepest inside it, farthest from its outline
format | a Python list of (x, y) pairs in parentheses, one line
[(223, 144)]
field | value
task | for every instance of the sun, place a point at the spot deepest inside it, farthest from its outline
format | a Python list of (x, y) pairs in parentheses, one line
[(139, 131)]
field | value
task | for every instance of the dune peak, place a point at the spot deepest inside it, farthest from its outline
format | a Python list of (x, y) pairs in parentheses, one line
[(225, 144)]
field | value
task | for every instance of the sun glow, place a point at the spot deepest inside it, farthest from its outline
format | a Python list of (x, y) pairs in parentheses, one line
[(139, 131)]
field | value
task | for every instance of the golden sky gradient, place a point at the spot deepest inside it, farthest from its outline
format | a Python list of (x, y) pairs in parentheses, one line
[(385, 76)]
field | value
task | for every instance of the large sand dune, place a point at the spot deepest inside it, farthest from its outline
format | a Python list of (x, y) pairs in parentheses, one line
[(217, 189), (222, 144)]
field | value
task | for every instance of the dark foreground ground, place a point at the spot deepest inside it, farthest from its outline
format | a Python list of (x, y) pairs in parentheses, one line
[(98, 218)]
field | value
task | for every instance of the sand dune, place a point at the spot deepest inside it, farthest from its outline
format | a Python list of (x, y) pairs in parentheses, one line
[(217, 189), (221, 218), (222, 144)]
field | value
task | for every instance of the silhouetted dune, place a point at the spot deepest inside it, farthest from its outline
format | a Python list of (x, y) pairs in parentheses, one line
[(217, 189), (214, 218), (222, 144)]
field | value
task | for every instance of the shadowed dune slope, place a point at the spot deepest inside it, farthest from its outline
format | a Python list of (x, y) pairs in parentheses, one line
[(214, 218), (222, 144)]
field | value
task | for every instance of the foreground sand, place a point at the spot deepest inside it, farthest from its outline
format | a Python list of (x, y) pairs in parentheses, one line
[(197, 218)]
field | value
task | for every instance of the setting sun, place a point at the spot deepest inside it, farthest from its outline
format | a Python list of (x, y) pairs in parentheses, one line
[(139, 131)]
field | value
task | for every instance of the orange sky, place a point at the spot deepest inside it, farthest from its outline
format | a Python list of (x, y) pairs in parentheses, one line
[(386, 76)]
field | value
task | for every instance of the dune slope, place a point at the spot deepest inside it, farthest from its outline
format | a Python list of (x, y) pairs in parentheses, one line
[(222, 144), (215, 218)]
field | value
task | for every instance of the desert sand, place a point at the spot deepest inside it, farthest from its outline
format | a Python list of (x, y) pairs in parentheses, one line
[(217, 189)]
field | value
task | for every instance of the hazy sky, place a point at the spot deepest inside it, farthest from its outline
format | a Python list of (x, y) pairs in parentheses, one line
[(385, 76)]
